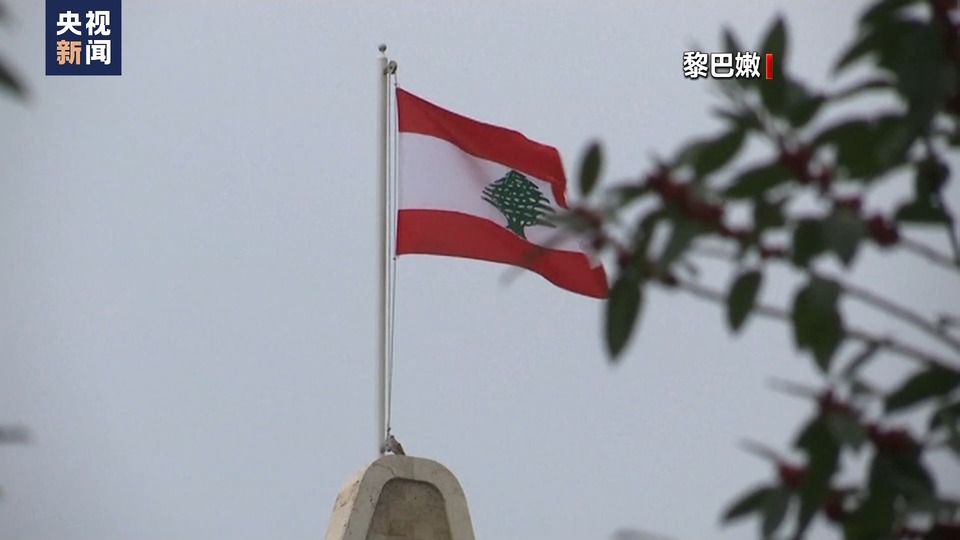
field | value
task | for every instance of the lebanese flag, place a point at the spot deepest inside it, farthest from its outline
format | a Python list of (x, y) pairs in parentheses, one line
[(478, 191)]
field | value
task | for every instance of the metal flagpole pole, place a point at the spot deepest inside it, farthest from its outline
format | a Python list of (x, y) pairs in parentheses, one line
[(382, 244)]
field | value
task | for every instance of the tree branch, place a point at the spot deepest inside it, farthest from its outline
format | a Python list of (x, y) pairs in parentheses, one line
[(877, 301), (866, 296), (927, 252), (776, 313), (951, 229)]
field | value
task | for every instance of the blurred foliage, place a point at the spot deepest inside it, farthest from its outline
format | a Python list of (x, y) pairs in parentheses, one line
[(11, 434), (8, 78), (657, 228)]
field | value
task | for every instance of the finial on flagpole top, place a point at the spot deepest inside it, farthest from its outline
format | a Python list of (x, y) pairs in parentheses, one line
[(382, 48)]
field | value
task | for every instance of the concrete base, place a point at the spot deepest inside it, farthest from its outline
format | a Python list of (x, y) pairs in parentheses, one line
[(401, 498)]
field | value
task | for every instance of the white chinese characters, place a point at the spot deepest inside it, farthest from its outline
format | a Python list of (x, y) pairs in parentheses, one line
[(748, 65), (68, 22), (723, 65), (96, 50), (98, 22), (694, 64)]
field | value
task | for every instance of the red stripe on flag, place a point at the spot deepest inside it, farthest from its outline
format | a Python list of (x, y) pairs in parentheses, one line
[(438, 232), (769, 65), (486, 141)]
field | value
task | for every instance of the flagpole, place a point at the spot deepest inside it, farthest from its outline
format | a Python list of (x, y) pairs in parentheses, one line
[(382, 258)]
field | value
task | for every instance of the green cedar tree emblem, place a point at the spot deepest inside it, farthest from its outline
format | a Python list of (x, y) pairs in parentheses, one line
[(520, 201)]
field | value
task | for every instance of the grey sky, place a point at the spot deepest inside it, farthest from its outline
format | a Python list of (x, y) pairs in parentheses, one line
[(188, 294)]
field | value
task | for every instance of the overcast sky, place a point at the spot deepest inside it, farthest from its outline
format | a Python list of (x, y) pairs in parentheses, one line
[(188, 258)]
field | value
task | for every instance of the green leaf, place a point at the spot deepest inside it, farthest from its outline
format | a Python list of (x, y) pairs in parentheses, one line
[(708, 155), (873, 519), (775, 41), (823, 453), (742, 297), (866, 44), (953, 440), (775, 508), (948, 415), (902, 474), (800, 104), (933, 506), (623, 311), (10, 81), (817, 324), (568, 220), (732, 45), (922, 212), (643, 234), (807, 242), (865, 354), (915, 56), (743, 121), (837, 133), (884, 10), (750, 502), (892, 138), (754, 182), (590, 168), (846, 430), (880, 28), (932, 175), (768, 215), (773, 91), (842, 232), (931, 383), (682, 235), (864, 86), (625, 195), (730, 42), (719, 152), (867, 148)]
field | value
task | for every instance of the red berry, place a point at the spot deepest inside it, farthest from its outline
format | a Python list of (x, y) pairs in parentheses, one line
[(834, 508), (854, 203), (953, 103), (590, 217), (675, 192), (946, 531), (882, 231), (824, 178), (625, 258), (943, 6), (798, 162), (829, 404), (656, 181), (791, 475), (704, 212), (773, 252), (899, 440), (670, 280), (896, 440), (598, 243)]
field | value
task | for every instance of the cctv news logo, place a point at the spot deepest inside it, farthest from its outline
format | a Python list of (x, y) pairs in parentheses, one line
[(726, 65), (83, 37)]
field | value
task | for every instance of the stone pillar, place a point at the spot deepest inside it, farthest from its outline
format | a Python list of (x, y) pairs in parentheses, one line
[(401, 498)]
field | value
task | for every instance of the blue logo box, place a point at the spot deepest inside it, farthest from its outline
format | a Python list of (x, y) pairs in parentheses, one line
[(83, 37)]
